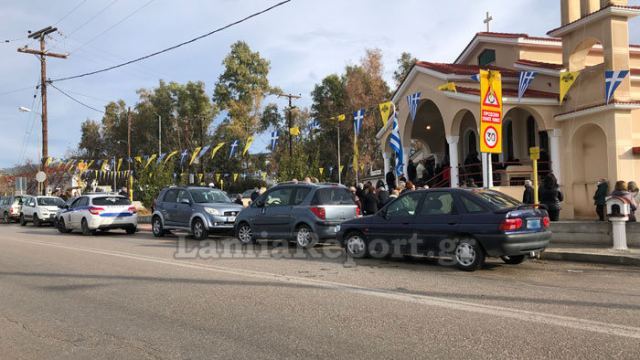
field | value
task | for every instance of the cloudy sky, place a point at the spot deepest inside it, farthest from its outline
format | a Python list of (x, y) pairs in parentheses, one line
[(305, 40)]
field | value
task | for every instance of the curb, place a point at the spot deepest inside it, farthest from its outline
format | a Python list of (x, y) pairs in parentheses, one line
[(591, 258)]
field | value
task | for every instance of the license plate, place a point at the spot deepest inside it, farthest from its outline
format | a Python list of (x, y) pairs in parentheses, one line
[(231, 219), (533, 224)]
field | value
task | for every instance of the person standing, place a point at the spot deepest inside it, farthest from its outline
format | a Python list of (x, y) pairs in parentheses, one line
[(621, 190), (420, 169), (370, 201), (635, 192), (412, 171), (383, 194), (550, 196), (600, 197), (391, 180), (527, 196)]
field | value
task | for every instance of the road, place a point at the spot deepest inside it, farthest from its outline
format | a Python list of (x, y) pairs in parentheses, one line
[(115, 296)]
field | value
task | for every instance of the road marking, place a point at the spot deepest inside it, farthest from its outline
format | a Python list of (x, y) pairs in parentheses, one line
[(506, 312)]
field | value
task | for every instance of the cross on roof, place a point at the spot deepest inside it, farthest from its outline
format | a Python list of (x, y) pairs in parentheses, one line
[(487, 20)]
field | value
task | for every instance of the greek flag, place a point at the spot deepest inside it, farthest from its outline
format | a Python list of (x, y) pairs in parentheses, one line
[(183, 156), (160, 158), (234, 146), (396, 144), (526, 77), (203, 151), (475, 77), (274, 140), (358, 116), (613, 79), (314, 125), (413, 101)]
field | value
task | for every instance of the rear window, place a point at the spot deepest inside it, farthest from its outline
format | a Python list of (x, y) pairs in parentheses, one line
[(50, 201), (111, 201), (497, 199), (333, 196)]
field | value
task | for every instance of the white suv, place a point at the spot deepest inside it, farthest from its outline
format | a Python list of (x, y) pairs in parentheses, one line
[(39, 209), (104, 212)]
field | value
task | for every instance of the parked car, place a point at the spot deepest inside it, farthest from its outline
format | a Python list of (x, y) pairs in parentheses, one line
[(40, 210), (306, 213), (90, 213), (11, 208), (198, 210), (63, 208), (465, 224)]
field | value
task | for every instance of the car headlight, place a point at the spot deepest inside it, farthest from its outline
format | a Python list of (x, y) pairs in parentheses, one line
[(212, 211), (338, 228)]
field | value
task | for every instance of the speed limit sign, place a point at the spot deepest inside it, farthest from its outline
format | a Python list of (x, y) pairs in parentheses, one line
[(491, 136)]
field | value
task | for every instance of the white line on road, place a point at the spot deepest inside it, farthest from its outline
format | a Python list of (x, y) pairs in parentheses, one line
[(517, 314)]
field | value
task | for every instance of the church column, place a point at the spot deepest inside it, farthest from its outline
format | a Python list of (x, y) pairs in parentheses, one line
[(387, 162), (453, 160), (554, 149), (406, 152)]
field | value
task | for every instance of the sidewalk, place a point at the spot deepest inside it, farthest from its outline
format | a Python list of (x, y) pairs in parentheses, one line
[(593, 254)]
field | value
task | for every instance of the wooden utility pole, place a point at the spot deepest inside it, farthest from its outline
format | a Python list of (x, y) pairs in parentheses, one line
[(290, 119), (130, 177), (43, 53)]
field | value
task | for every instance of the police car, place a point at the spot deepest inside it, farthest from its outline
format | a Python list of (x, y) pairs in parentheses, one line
[(93, 212)]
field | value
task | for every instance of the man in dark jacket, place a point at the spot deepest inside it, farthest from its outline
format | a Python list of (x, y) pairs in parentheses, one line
[(600, 197), (550, 196), (369, 201), (391, 180), (383, 194), (412, 171), (527, 196)]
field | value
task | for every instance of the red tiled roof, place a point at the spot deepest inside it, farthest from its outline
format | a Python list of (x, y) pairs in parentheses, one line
[(459, 69), (540, 64), (511, 93), (593, 13)]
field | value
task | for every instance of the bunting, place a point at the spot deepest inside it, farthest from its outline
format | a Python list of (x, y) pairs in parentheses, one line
[(247, 145), (342, 117), (215, 149), (203, 151), (385, 111), (358, 117), (274, 140), (183, 156), (294, 131), (450, 86), (150, 160), (613, 79), (413, 101), (235, 177), (171, 154), (195, 154), (234, 146), (526, 77)]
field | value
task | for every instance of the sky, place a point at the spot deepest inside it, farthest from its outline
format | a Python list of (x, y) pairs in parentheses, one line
[(305, 40)]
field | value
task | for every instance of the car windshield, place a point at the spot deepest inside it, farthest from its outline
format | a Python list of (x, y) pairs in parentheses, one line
[(497, 199), (333, 196), (50, 201), (208, 196), (111, 201)]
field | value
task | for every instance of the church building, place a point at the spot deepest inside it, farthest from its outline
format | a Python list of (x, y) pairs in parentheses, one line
[(583, 139)]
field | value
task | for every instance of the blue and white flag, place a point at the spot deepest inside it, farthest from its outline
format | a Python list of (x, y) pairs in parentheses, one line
[(526, 77), (613, 79), (160, 158), (314, 125), (413, 101), (183, 156), (358, 116), (396, 144), (274, 140), (234, 146), (475, 77), (203, 151)]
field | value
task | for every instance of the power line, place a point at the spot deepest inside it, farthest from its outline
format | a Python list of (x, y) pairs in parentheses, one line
[(76, 100), (174, 46), (16, 90), (93, 17), (114, 25), (70, 12)]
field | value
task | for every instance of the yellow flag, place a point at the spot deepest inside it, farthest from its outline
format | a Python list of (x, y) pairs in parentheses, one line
[(90, 163), (294, 131), (218, 178), (151, 158), (248, 145), (138, 159), (385, 111), (450, 86), (342, 117), (321, 171), (215, 149), (103, 167), (567, 78), (196, 151), (264, 176), (119, 164), (200, 176), (235, 177), (362, 168), (341, 168), (171, 154), (47, 161), (356, 154)]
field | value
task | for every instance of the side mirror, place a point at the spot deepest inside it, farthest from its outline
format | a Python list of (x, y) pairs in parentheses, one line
[(259, 203), (185, 201)]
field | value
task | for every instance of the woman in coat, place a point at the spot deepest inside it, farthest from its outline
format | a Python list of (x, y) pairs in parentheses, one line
[(550, 196), (383, 194), (621, 190)]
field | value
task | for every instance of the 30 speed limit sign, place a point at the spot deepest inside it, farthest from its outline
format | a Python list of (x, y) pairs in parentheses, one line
[(491, 137)]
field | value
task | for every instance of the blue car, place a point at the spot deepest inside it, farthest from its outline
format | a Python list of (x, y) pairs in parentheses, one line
[(465, 225)]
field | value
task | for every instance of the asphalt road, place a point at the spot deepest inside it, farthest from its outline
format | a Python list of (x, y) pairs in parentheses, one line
[(115, 296)]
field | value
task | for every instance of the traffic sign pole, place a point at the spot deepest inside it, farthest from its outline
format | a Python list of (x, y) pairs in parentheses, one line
[(534, 155)]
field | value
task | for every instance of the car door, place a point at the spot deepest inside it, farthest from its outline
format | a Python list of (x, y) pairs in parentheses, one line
[(78, 207), (28, 208), (168, 206), (438, 221), (275, 217), (395, 225), (182, 209)]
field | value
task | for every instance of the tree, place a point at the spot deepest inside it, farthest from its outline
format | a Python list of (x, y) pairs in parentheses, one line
[(91, 142), (151, 180), (405, 63)]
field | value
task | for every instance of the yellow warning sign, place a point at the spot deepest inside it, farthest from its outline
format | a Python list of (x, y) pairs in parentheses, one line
[(490, 112)]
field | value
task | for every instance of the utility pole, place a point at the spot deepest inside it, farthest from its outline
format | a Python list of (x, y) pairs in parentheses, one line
[(130, 182), (290, 119), (43, 53)]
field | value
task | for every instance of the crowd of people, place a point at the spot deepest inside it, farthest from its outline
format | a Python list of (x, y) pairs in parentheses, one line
[(370, 198)]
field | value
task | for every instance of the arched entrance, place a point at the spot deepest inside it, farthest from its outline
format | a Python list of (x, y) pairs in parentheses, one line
[(589, 159), (427, 134)]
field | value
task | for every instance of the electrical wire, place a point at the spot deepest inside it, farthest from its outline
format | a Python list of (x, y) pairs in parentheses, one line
[(114, 25), (16, 90), (174, 46), (94, 17), (70, 12), (76, 100)]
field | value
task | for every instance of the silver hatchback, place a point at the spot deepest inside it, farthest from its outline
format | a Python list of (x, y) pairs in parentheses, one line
[(306, 213)]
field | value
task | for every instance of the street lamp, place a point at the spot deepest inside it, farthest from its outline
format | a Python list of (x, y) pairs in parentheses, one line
[(24, 109), (40, 167)]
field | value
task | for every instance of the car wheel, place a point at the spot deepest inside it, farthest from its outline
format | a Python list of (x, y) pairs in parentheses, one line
[(356, 246), (23, 221), (468, 255), (513, 260), (62, 227), (84, 225), (5, 218), (131, 230), (156, 227), (36, 220), (245, 234), (198, 230), (305, 237)]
